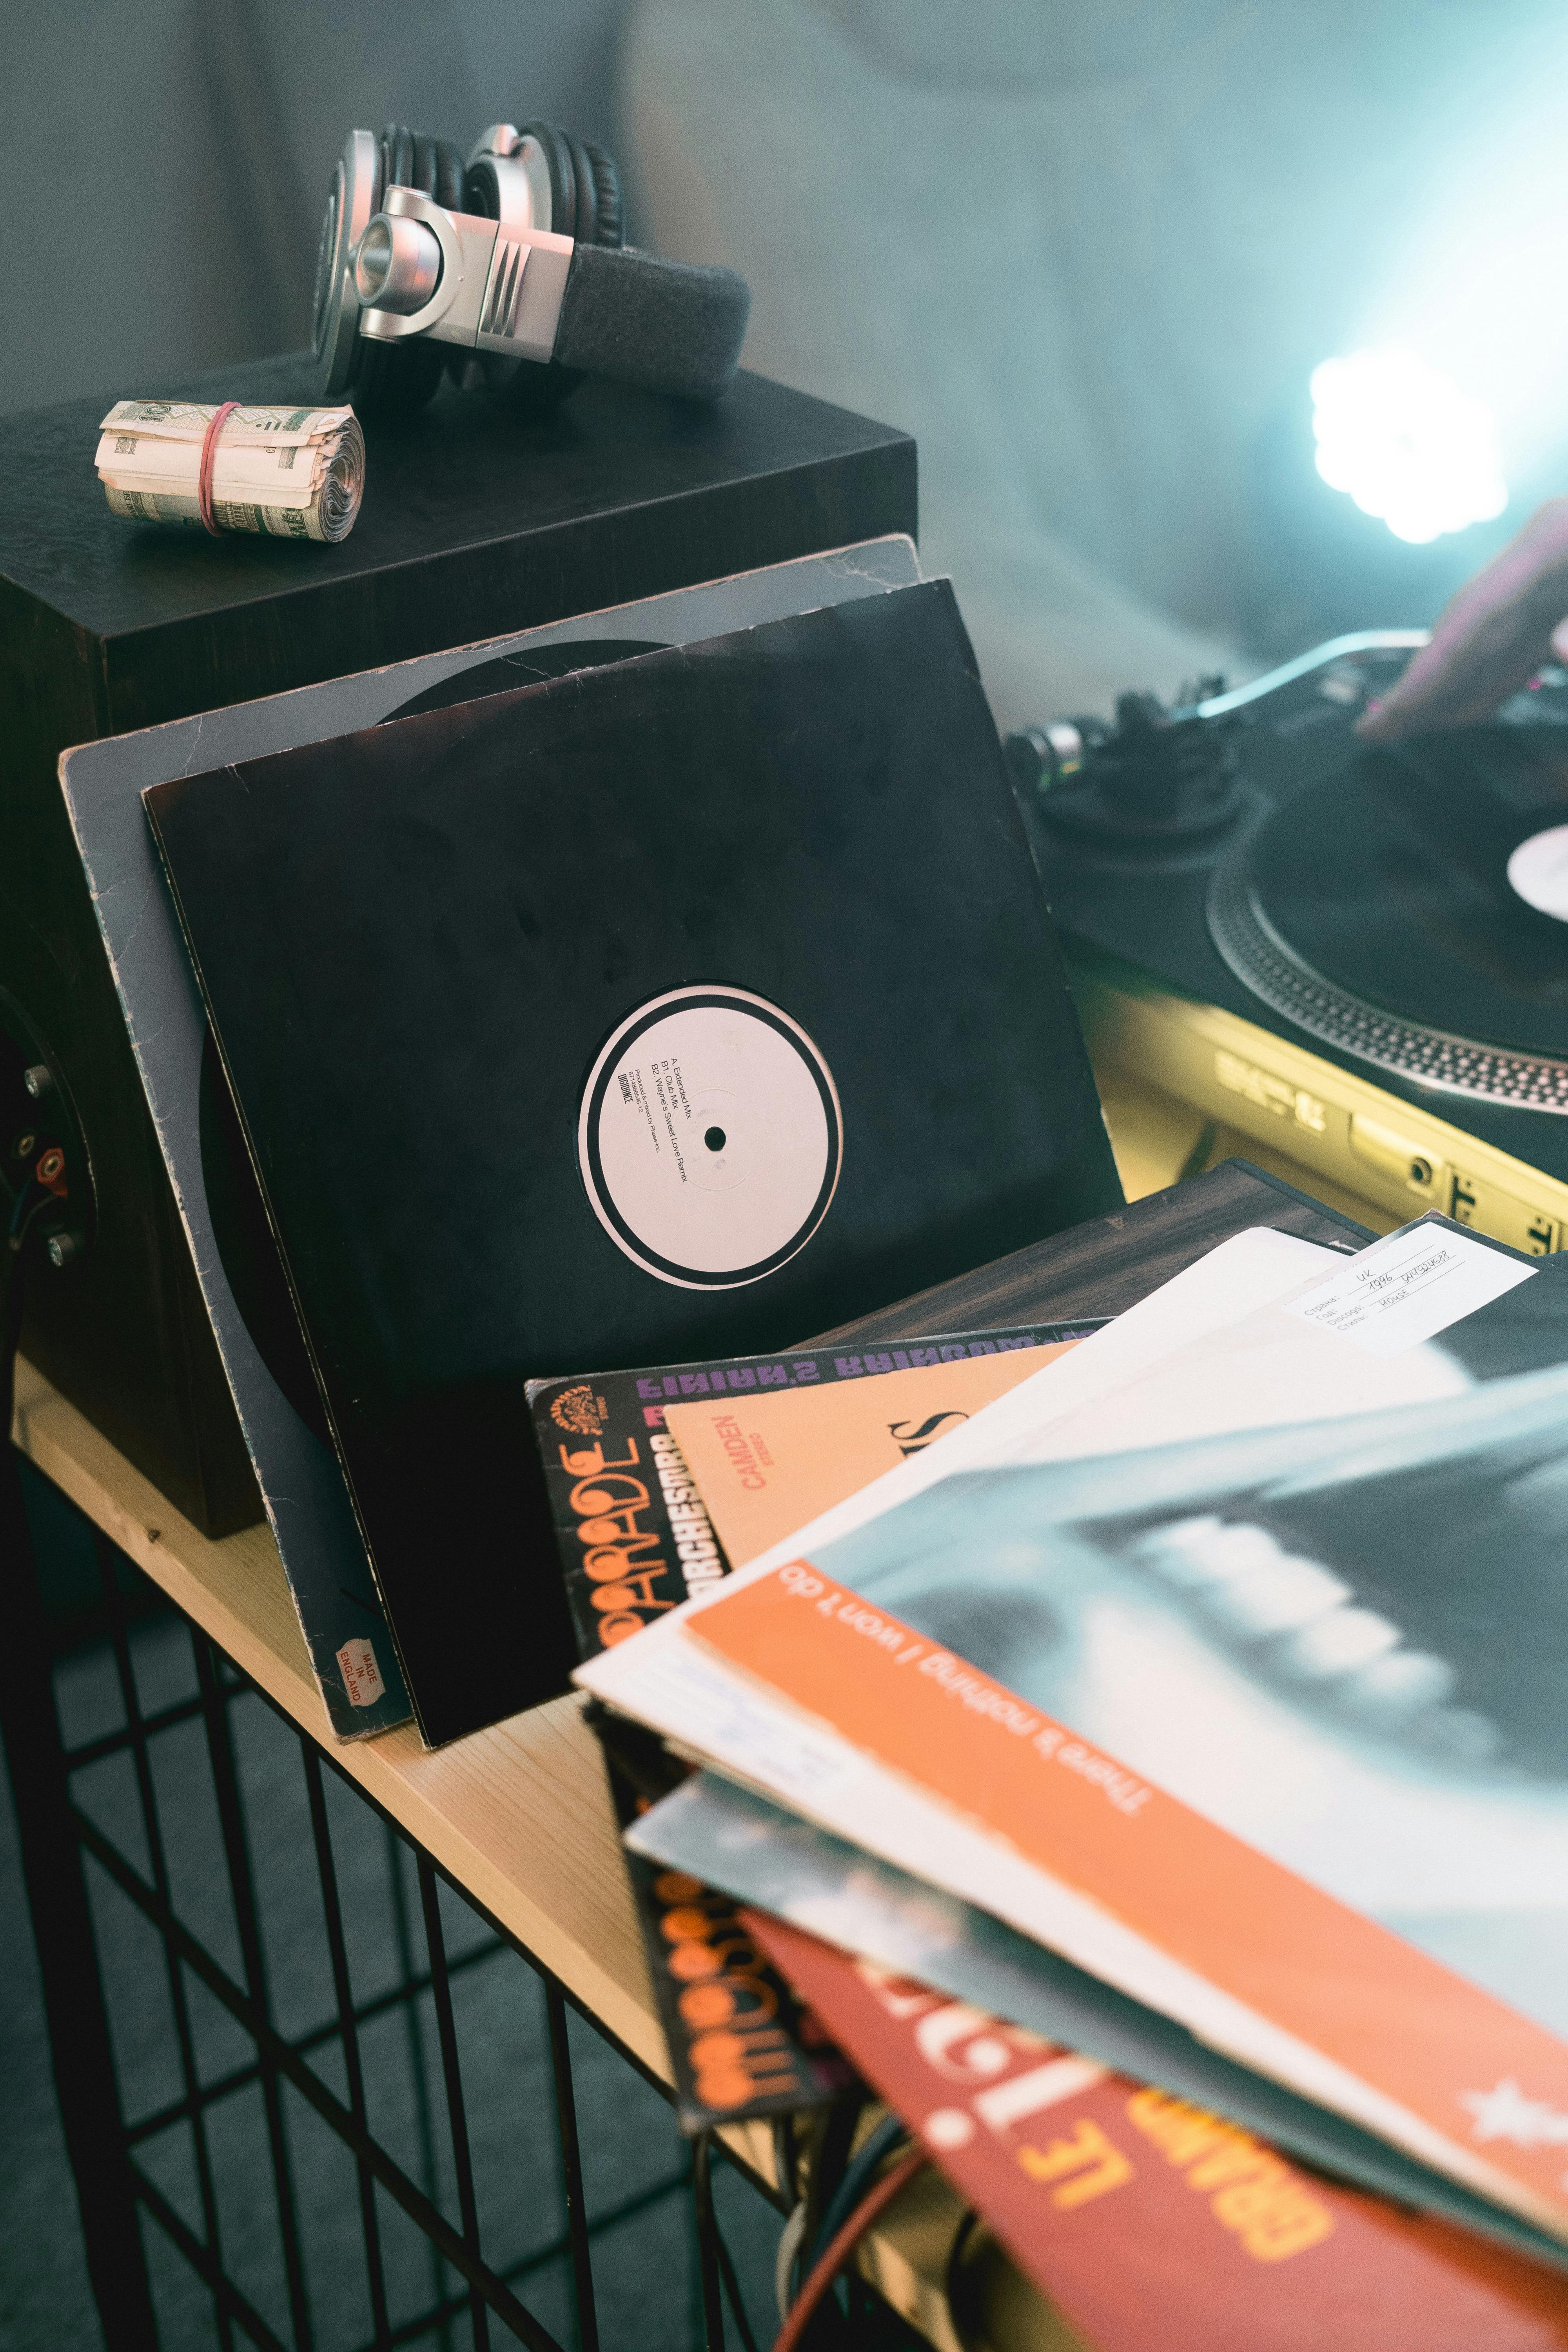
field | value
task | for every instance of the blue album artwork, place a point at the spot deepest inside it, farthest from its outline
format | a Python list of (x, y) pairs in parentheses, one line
[(1346, 1645)]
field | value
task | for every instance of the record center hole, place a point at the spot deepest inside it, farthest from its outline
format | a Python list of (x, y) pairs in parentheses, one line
[(715, 1139)]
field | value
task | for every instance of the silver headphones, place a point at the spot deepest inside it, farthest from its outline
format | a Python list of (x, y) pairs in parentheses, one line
[(511, 270)]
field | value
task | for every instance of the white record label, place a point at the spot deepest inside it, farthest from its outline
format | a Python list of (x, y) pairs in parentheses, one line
[(711, 1138), (1538, 871)]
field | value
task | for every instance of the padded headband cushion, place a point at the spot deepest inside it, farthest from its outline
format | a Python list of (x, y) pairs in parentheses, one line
[(666, 325)]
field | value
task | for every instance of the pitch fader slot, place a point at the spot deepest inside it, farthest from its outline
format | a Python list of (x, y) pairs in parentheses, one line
[(1505, 1216)]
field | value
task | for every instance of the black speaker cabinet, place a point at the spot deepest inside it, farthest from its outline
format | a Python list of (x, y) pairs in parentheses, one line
[(474, 524)]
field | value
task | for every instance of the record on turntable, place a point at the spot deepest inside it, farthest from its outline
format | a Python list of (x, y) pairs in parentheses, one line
[(1354, 959), (1412, 911)]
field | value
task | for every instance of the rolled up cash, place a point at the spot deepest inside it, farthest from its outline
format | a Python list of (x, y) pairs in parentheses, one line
[(298, 473)]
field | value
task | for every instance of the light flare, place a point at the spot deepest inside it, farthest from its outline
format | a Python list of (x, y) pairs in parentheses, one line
[(1406, 443)]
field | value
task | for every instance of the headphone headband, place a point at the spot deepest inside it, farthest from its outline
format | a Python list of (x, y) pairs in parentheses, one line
[(397, 267), (668, 326)]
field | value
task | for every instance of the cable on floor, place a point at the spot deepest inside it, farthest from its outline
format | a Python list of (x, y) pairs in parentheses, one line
[(859, 2173), (875, 2202)]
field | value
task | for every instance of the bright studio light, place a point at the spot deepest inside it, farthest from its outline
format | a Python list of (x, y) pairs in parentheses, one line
[(1403, 441)]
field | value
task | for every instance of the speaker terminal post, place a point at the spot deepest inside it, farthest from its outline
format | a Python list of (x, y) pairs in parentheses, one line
[(45, 1190)]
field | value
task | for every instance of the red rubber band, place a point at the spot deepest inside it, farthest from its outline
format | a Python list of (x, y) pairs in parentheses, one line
[(205, 472)]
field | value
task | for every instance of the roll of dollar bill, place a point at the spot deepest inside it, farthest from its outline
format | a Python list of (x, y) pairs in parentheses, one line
[(297, 472)]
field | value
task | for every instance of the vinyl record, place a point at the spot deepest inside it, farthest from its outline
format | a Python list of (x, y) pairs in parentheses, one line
[(526, 666), (1403, 909)]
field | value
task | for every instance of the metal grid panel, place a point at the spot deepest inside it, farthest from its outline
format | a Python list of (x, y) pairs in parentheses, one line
[(257, 2050)]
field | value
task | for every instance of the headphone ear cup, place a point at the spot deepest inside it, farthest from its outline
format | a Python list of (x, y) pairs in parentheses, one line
[(609, 203), (448, 190), (396, 379), (557, 146), (397, 153), (601, 215), (585, 213), (399, 379)]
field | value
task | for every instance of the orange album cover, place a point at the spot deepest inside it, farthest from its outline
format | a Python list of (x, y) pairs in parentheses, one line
[(1144, 2219), (769, 1463), (1265, 1728)]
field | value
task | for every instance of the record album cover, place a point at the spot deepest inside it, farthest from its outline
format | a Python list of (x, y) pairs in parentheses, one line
[(1265, 1727), (1145, 2220), (721, 1835), (274, 1389), (767, 1466), (676, 1007), (633, 1528)]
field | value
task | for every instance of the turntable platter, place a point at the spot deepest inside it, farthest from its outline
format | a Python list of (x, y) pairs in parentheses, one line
[(1411, 909)]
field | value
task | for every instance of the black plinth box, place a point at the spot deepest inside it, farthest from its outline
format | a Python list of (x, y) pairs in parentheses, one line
[(473, 524)]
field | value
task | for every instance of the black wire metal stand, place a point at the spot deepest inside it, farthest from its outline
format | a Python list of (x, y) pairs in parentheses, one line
[(65, 1850)]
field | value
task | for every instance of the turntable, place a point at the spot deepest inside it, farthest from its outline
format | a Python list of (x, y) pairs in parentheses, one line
[(1348, 960)]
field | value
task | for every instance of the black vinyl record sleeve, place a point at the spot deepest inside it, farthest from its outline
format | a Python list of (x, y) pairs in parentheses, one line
[(678, 1007)]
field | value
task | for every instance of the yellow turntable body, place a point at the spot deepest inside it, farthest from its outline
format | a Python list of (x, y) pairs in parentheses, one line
[(1185, 1084)]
